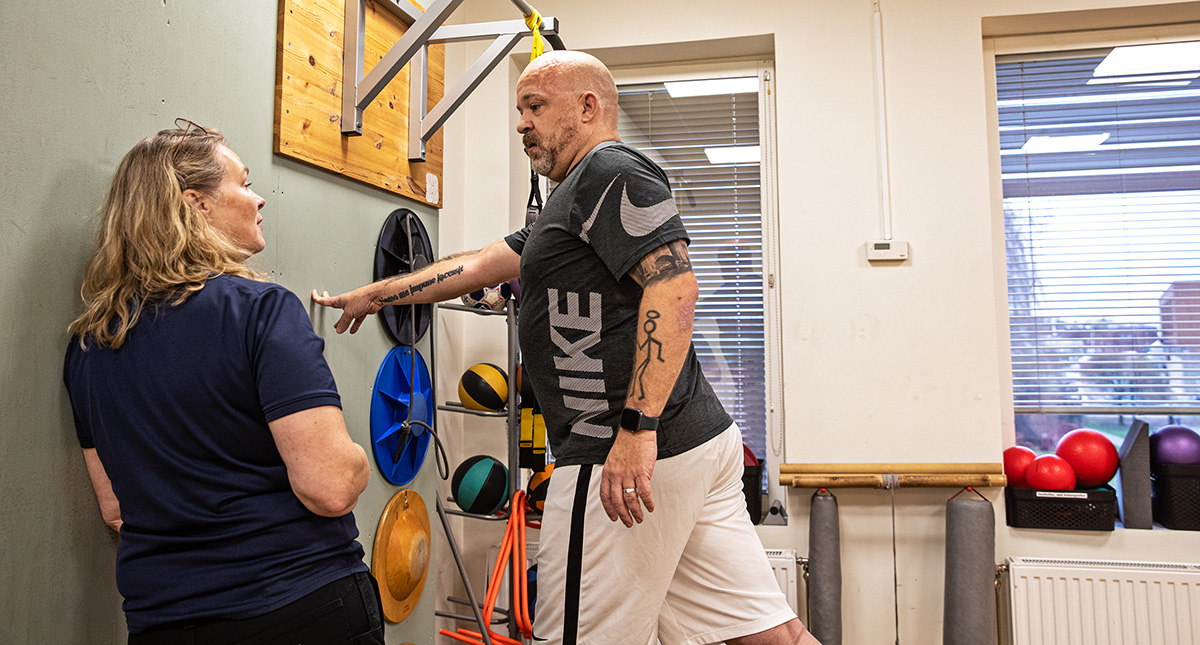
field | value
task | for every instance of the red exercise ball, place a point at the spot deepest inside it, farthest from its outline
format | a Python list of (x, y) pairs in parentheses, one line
[(1092, 456), (1050, 472), (1016, 462)]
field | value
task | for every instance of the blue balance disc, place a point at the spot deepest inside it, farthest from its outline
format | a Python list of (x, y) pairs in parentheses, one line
[(402, 401)]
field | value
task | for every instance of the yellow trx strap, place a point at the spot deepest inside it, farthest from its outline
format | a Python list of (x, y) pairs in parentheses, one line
[(534, 21)]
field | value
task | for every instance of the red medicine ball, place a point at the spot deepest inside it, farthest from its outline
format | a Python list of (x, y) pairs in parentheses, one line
[(1091, 454)]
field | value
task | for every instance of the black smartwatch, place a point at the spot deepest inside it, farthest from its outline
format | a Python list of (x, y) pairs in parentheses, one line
[(633, 420)]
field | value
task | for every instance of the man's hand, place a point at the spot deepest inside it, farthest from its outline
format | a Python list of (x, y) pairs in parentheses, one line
[(355, 305), (629, 466)]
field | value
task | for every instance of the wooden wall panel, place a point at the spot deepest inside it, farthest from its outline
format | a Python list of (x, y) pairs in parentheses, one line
[(308, 101)]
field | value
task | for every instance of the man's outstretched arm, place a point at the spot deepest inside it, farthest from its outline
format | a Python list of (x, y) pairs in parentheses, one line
[(450, 277)]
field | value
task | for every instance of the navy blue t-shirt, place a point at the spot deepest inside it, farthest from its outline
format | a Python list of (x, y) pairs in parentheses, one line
[(178, 416)]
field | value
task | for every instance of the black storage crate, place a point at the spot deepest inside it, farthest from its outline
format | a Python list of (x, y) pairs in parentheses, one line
[(1176, 500), (1078, 510)]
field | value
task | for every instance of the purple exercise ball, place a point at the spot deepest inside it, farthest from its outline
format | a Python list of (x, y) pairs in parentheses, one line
[(1175, 445)]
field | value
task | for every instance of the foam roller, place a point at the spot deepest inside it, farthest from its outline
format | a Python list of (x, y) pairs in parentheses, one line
[(969, 614), (824, 570)]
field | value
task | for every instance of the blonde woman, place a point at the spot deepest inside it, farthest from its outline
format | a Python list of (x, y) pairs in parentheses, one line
[(210, 423)]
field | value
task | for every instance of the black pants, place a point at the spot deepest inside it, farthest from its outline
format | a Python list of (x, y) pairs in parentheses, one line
[(343, 612)]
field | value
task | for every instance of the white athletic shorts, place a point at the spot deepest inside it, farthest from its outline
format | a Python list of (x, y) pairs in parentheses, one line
[(693, 572)]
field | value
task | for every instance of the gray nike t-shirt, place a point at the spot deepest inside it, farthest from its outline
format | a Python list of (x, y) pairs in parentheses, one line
[(579, 307)]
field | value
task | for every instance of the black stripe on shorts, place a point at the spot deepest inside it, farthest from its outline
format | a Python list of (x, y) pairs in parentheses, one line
[(575, 557)]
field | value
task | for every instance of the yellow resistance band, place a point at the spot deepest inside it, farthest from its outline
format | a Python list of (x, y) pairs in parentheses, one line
[(534, 21)]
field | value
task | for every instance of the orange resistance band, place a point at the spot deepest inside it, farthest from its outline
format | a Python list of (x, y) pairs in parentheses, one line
[(511, 547)]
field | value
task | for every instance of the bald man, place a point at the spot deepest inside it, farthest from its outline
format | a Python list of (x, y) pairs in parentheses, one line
[(645, 533)]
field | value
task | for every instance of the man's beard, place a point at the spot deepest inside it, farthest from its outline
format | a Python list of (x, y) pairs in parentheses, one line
[(544, 162), (549, 148)]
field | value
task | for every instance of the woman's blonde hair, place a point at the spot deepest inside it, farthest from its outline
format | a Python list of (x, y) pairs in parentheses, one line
[(154, 244)]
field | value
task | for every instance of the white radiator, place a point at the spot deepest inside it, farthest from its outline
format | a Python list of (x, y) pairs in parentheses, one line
[(783, 564), (1097, 602)]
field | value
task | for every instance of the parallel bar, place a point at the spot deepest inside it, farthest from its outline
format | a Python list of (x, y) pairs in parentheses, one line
[(890, 468), (400, 53), (353, 39), (467, 84), (402, 9), (485, 30), (852, 480), (526, 10), (424, 28), (831, 481), (418, 102), (982, 480)]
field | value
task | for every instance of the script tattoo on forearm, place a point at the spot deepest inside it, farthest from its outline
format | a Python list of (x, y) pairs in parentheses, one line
[(417, 286), (671, 260), (649, 345)]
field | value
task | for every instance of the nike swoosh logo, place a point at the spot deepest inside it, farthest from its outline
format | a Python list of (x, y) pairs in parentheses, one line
[(587, 225), (642, 220)]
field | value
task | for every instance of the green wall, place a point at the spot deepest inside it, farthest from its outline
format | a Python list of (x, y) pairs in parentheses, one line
[(79, 85)]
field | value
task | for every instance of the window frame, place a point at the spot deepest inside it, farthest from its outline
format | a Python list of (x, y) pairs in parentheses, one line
[(1066, 42), (772, 326)]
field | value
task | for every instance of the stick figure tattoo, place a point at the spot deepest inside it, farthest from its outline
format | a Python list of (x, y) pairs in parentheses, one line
[(650, 344)]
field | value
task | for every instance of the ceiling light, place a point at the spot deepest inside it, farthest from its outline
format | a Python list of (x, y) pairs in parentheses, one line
[(1073, 143), (1154, 78), (713, 86), (1151, 59), (734, 154), (1163, 84)]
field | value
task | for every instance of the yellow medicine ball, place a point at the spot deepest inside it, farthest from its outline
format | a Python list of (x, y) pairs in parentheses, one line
[(483, 387)]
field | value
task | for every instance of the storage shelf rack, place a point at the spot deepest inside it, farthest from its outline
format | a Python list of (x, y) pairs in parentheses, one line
[(512, 414)]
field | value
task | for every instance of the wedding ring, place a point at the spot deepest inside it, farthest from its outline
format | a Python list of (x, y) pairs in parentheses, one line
[(630, 490)]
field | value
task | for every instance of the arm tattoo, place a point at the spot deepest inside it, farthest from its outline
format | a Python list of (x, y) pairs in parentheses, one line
[(650, 344), (663, 263), (418, 286)]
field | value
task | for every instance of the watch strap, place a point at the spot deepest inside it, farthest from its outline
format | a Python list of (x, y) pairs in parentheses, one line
[(633, 420)]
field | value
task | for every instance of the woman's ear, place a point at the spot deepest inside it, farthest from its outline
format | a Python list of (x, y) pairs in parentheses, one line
[(196, 198)]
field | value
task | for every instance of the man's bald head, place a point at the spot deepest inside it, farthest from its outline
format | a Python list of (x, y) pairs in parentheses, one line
[(577, 73), (568, 105)]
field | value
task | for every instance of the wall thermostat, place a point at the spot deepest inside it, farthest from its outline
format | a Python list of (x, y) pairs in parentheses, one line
[(887, 250)]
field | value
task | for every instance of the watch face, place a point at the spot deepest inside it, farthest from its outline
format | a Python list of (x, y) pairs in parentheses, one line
[(632, 419)]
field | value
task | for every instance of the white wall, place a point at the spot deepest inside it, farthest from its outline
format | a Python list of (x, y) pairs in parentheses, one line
[(881, 363)]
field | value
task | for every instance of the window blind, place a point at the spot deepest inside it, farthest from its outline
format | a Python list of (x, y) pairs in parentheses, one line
[(1101, 178), (720, 204)]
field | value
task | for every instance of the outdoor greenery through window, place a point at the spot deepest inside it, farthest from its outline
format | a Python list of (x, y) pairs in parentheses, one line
[(1100, 156), (705, 135)]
